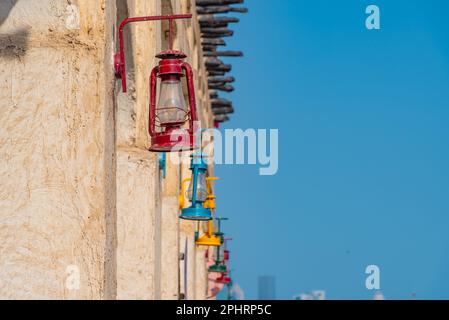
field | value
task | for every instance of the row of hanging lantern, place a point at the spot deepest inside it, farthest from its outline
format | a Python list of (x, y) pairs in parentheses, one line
[(197, 191), (166, 122), (213, 236)]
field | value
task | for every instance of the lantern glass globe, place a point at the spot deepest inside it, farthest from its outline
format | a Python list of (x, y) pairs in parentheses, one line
[(171, 108), (201, 188), (218, 255)]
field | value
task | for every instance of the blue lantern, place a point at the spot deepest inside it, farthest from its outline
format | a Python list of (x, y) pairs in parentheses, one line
[(197, 192)]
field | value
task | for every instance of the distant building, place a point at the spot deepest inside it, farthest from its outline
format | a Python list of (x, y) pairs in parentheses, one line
[(267, 288), (314, 295)]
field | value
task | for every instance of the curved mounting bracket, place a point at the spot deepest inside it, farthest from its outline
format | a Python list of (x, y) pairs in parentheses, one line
[(119, 57)]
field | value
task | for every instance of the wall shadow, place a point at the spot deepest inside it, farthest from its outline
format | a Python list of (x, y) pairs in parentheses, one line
[(122, 14), (5, 8), (12, 45)]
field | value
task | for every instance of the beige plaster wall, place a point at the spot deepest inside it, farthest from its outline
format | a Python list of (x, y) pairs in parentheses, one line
[(84, 211), (57, 190), (138, 182)]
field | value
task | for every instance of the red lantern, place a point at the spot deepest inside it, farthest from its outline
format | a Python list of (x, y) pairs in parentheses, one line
[(168, 115)]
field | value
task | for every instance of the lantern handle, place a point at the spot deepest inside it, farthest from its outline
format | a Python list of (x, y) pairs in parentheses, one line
[(119, 58), (191, 89), (210, 228)]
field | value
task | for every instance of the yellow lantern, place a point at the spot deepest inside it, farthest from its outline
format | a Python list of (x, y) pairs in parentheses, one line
[(209, 238)]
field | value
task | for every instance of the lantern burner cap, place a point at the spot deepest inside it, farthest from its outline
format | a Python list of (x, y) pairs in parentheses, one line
[(220, 268), (171, 54), (208, 240)]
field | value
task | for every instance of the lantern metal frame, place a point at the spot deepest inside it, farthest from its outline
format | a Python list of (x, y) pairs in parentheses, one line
[(196, 212), (169, 137), (226, 251), (210, 200), (209, 238)]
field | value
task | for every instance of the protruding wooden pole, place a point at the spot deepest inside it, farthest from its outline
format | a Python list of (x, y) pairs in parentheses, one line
[(215, 80), (225, 88), (205, 3), (223, 54), (213, 42), (219, 10)]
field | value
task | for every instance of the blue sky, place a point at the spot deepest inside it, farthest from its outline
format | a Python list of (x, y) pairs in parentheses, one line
[(363, 148)]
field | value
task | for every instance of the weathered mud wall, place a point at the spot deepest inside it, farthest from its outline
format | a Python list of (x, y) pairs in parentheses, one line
[(138, 179), (84, 210), (57, 170)]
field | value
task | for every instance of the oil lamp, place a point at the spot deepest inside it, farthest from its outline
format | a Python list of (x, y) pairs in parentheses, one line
[(219, 265), (209, 238), (167, 117), (197, 191)]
